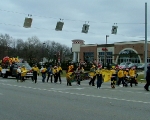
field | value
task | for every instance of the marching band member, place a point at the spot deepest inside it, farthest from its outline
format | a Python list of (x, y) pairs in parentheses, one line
[(92, 75), (43, 70), (126, 76), (113, 77), (59, 71), (35, 70), (132, 74), (78, 72), (69, 74), (55, 72), (99, 77), (147, 79), (121, 77), (23, 73), (50, 73)]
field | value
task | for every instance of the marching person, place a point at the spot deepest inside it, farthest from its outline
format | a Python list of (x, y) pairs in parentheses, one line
[(23, 73), (0, 70), (50, 73), (43, 70), (99, 77), (55, 72), (120, 77), (35, 70), (132, 75), (18, 73), (92, 75), (113, 77), (147, 79), (69, 74), (59, 72), (78, 72)]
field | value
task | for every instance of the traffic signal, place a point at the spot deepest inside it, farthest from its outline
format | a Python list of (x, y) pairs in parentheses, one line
[(59, 26), (27, 22), (114, 29), (85, 28)]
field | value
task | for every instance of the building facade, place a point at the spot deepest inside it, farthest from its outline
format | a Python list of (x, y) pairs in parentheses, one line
[(129, 51)]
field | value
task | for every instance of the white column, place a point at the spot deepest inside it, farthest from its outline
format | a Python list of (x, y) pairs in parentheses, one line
[(74, 56), (78, 56)]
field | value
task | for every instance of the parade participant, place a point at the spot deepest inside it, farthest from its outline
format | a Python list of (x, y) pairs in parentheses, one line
[(55, 73), (59, 72), (23, 73), (126, 76), (69, 74), (79, 71), (132, 75), (92, 75), (120, 77), (99, 77), (18, 73), (35, 70), (113, 77), (50, 73), (43, 70), (147, 79)]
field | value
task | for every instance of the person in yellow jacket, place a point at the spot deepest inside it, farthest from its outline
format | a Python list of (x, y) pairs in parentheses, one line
[(55, 73), (23, 73), (69, 74), (113, 77), (92, 75), (132, 74), (121, 77), (99, 77), (59, 68), (43, 70), (35, 70)]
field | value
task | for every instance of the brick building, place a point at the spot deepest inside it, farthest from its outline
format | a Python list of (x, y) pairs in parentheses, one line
[(129, 51)]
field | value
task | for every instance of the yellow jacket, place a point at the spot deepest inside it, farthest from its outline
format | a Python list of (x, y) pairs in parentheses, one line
[(55, 70), (132, 73), (120, 74), (126, 73), (98, 71), (35, 69)]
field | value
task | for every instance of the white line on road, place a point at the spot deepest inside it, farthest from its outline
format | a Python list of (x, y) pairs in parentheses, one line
[(111, 98)]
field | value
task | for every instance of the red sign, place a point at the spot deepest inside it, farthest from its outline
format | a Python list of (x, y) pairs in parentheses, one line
[(104, 49)]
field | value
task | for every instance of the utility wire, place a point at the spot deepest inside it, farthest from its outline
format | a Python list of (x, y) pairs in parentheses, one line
[(65, 19)]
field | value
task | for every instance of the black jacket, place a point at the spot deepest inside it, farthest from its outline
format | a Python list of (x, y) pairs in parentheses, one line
[(148, 73)]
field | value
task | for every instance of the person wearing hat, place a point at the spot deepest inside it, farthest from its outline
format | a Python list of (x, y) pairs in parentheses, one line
[(92, 75), (35, 70), (50, 73), (113, 77), (147, 79), (70, 74)]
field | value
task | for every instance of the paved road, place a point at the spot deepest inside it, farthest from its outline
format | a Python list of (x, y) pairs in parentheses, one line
[(49, 101)]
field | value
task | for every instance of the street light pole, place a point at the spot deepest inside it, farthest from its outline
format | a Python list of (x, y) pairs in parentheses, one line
[(105, 59), (43, 54)]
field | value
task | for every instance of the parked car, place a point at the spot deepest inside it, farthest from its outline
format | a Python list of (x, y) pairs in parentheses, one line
[(13, 73), (142, 66), (124, 64), (132, 65)]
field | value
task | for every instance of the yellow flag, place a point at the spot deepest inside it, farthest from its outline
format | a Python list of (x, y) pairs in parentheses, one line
[(106, 75)]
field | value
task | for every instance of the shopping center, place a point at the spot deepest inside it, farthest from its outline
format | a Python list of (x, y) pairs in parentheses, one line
[(129, 51)]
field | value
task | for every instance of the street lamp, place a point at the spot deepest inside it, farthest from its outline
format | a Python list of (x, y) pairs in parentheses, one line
[(43, 54), (105, 59)]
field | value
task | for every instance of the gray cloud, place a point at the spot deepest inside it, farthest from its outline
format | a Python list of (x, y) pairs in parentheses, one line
[(101, 14)]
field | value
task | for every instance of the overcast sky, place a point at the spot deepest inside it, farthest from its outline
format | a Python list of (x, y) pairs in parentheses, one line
[(101, 14)]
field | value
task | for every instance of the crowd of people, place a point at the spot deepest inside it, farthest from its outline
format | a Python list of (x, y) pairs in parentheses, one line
[(97, 75)]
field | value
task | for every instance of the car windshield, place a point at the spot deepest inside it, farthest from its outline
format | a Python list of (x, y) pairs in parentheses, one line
[(25, 64), (122, 63)]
